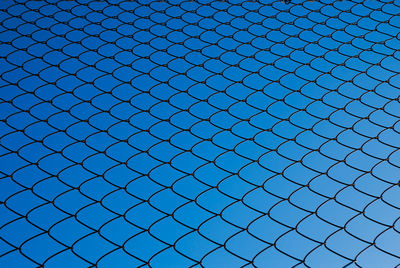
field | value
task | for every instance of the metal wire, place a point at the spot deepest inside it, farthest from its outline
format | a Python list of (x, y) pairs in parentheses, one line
[(199, 133)]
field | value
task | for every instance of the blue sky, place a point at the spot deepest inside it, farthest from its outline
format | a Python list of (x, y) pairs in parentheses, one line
[(199, 134)]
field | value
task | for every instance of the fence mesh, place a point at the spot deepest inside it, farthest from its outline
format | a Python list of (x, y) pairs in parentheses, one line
[(199, 133)]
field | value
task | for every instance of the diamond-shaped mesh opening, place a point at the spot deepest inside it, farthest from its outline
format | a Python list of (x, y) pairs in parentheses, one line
[(199, 133)]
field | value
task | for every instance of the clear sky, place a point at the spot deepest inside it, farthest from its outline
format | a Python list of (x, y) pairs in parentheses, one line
[(199, 133)]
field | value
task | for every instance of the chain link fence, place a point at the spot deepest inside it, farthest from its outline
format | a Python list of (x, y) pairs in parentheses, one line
[(199, 133)]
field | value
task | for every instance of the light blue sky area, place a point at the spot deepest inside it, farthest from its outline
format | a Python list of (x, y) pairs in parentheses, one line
[(199, 133)]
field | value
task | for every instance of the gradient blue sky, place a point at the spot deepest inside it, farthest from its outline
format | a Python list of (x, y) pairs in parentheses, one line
[(199, 133)]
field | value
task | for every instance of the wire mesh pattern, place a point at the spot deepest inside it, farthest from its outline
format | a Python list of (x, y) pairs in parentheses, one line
[(199, 133)]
